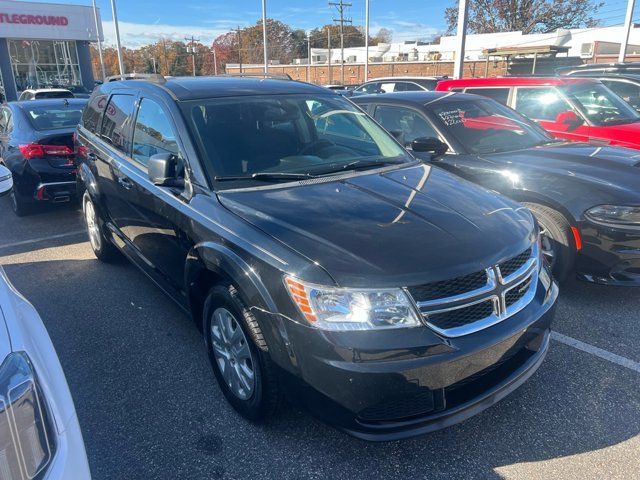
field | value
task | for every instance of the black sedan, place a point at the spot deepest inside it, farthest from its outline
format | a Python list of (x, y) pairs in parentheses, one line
[(36, 144), (585, 197)]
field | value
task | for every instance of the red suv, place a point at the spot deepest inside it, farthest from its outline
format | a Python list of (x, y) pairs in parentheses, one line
[(577, 109)]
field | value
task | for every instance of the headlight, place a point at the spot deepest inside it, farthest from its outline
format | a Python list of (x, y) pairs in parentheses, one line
[(615, 215), (26, 444), (330, 308)]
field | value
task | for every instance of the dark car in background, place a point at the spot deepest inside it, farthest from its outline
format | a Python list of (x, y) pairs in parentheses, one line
[(36, 144), (397, 84), (621, 78), (315, 254), (585, 197)]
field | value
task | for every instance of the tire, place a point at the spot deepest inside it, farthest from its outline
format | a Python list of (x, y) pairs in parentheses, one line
[(262, 398), (557, 240), (102, 247), (19, 206)]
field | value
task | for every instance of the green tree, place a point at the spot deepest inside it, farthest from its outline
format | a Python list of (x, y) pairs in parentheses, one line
[(528, 16)]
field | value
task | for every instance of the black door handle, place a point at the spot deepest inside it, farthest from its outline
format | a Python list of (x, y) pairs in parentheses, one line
[(125, 182)]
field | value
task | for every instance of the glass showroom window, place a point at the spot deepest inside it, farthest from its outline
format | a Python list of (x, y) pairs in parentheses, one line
[(44, 63)]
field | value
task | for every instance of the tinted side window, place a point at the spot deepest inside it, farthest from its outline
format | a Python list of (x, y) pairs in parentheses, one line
[(498, 94), (405, 121), (369, 87), (413, 87), (153, 132), (116, 121), (540, 103), (93, 112), (630, 92)]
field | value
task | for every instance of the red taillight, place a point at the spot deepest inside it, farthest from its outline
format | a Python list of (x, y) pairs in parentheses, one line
[(36, 150)]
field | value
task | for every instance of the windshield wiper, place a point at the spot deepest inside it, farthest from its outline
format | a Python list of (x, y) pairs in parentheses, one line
[(265, 176), (361, 164)]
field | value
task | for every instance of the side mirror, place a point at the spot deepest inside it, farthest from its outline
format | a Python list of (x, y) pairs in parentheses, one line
[(429, 145), (568, 118), (6, 180), (163, 170)]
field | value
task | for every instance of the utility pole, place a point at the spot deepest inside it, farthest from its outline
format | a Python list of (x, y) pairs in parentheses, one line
[(329, 52), (366, 40), (628, 22), (461, 38), (215, 62), (95, 18), (308, 59), (118, 45), (191, 48), (340, 6), (264, 36), (153, 59), (239, 48)]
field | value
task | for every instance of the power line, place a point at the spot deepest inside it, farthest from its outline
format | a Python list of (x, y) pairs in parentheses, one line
[(340, 6)]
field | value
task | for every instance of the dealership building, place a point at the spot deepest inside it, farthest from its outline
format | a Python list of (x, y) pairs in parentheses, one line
[(46, 45)]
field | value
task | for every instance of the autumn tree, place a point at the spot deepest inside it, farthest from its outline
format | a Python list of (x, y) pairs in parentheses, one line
[(528, 16), (353, 36), (384, 35)]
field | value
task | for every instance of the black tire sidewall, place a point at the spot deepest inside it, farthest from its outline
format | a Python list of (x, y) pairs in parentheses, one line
[(19, 207), (255, 407)]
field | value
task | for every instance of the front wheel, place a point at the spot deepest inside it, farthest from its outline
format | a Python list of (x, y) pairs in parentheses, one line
[(102, 248), (557, 240), (236, 347)]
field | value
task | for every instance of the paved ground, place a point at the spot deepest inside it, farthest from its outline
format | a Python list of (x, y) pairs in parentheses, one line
[(149, 408)]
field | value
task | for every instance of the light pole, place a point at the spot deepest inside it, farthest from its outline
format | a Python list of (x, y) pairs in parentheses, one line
[(366, 40), (115, 24), (308, 59), (95, 18), (461, 37), (215, 62), (191, 48), (628, 22), (264, 36)]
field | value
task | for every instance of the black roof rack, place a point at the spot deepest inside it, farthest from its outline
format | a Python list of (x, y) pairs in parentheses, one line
[(151, 77), (276, 76)]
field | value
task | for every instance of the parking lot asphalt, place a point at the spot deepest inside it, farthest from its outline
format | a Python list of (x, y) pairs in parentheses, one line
[(149, 407)]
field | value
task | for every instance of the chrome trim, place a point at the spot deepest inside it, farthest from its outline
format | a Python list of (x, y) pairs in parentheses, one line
[(496, 290), (53, 184)]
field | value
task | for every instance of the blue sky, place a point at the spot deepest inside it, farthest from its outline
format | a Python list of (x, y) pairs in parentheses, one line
[(144, 21)]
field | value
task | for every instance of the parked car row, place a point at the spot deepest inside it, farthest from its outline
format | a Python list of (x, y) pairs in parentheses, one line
[(386, 261)]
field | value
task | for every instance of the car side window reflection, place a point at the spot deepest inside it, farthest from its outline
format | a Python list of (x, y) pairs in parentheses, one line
[(405, 123), (540, 103), (117, 120), (153, 133)]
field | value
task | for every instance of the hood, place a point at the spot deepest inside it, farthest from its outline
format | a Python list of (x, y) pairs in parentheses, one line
[(610, 169), (404, 227)]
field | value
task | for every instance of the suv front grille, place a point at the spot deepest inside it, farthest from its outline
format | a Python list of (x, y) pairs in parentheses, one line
[(472, 302)]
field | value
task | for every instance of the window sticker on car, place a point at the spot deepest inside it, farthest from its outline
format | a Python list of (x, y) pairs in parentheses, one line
[(451, 117)]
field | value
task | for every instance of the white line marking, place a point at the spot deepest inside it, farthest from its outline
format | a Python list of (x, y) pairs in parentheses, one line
[(42, 239), (598, 352)]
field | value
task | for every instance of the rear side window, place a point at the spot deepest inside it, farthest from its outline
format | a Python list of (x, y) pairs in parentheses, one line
[(117, 120), (153, 133), (498, 94), (540, 103), (93, 112)]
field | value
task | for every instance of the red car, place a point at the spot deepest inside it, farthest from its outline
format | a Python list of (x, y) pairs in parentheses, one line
[(577, 109)]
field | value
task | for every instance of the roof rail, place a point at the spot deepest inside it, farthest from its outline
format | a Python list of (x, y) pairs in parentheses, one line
[(281, 76), (599, 67), (151, 77)]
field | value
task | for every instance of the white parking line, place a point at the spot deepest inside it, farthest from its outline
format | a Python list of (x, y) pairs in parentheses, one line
[(41, 239), (598, 352)]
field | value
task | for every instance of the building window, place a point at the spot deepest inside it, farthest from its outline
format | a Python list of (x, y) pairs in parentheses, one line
[(44, 63)]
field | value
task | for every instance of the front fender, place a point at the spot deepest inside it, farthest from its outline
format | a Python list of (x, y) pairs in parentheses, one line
[(225, 264)]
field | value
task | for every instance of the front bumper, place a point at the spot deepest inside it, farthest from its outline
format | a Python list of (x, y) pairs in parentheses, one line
[(610, 256), (412, 381)]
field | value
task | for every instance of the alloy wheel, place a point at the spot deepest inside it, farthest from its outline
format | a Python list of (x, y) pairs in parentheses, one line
[(547, 242), (92, 225), (232, 353)]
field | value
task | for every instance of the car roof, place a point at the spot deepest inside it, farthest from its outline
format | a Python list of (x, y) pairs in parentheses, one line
[(412, 98), (38, 90), (193, 88), (402, 78), (514, 82), (49, 102)]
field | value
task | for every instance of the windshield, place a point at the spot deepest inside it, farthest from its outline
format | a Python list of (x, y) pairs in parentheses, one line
[(485, 126), (47, 118), (283, 136), (600, 105)]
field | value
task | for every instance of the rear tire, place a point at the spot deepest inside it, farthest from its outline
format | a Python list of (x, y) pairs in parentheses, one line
[(18, 205), (557, 240), (102, 247), (236, 350)]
